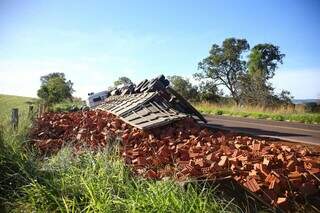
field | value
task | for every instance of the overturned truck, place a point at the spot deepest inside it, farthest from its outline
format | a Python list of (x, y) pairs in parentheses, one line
[(150, 104)]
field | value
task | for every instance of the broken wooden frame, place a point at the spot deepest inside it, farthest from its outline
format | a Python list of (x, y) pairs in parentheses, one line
[(150, 104)]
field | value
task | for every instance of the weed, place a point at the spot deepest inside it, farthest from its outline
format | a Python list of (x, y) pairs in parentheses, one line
[(278, 114)]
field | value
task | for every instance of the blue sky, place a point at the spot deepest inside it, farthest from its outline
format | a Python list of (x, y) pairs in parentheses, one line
[(95, 42)]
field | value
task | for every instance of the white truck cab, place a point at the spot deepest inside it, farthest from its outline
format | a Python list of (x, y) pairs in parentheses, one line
[(95, 99)]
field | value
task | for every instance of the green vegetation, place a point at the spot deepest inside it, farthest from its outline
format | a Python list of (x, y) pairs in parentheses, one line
[(55, 88), (278, 114), (91, 181), (248, 81), (67, 105), (55, 93), (184, 87), (101, 183), (7, 102), (122, 80)]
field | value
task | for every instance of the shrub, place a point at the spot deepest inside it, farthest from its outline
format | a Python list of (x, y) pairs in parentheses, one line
[(311, 107), (66, 106), (278, 117), (219, 112)]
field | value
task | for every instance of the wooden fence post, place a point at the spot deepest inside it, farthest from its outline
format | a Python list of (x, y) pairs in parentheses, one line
[(15, 118), (40, 110), (30, 113)]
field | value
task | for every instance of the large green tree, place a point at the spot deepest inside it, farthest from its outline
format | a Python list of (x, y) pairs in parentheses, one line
[(208, 91), (264, 60), (256, 88), (184, 87), (224, 65), (55, 88)]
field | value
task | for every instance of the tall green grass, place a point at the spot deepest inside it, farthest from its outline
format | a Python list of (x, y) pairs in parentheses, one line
[(278, 114), (101, 183), (17, 163)]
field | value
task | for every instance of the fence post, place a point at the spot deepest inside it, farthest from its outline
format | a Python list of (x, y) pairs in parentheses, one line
[(40, 110), (15, 118), (30, 113)]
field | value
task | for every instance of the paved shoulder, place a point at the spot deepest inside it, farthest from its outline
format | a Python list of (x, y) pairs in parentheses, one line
[(296, 132)]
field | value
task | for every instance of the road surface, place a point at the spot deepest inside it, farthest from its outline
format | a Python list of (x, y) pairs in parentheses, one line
[(289, 131)]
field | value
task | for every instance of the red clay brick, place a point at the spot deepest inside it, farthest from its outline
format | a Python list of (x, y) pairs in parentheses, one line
[(140, 161), (223, 161), (252, 185), (151, 174), (199, 162), (281, 200), (256, 147)]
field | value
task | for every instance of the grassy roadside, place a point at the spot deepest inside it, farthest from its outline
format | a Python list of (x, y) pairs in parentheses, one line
[(7, 102), (91, 182), (280, 114)]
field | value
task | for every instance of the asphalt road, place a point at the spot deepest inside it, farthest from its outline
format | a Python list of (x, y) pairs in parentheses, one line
[(289, 131)]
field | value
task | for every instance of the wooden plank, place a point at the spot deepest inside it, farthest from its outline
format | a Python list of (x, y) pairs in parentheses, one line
[(132, 105), (144, 110)]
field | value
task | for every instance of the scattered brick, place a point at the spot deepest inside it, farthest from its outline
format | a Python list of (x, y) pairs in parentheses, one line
[(223, 161), (281, 200), (256, 147), (252, 185), (185, 150), (151, 174)]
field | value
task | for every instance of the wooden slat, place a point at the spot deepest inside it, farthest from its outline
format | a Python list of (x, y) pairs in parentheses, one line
[(143, 110)]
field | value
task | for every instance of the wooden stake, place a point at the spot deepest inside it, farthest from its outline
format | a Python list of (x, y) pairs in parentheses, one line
[(30, 113), (15, 118)]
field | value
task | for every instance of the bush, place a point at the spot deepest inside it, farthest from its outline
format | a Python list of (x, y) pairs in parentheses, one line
[(311, 107), (219, 112), (66, 106), (277, 117), (260, 115)]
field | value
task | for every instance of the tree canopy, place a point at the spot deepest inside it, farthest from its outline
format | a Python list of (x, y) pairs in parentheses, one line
[(183, 86), (263, 60), (224, 65), (55, 88), (122, 80), (247, 81), (262, 63), (208, 91)]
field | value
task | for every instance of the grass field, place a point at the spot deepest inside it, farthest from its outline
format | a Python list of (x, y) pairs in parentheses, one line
[(7, 102), (279, 114), (89, 182)]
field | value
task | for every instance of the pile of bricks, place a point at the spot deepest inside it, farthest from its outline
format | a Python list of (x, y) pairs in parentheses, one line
[(184, 150), (88, 129)]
